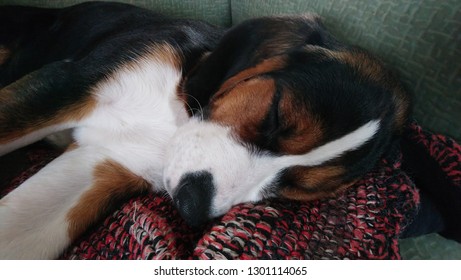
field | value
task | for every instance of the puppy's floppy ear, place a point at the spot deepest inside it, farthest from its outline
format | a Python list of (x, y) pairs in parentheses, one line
[(200, 90), (206, 78), (245, 46), (271, 64)]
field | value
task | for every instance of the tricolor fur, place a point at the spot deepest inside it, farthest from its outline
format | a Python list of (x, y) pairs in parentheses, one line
[(284, 109), (279, 108), (112, 73)]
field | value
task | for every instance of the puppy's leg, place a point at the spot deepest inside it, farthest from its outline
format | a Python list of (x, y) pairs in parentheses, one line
[(48, 100), (33, 222), (46, 213)]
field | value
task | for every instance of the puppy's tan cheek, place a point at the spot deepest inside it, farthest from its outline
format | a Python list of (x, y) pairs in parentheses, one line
[(305, 130), (245, 107), (309, 183)]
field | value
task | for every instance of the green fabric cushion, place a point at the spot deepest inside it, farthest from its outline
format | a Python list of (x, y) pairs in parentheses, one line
[(419, 39), (214, 11)]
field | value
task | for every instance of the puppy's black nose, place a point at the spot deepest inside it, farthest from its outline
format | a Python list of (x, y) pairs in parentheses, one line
[(193, 198)]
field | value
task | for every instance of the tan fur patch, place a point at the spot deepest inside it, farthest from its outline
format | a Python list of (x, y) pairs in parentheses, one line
[(265, 66), (365, 64), (163, 53), (244, 107), (402, 108), (305, 130), (170, 55), (311, 183), (76, 112), (316, 177), (244, 99), (302, 195), (112, 182)]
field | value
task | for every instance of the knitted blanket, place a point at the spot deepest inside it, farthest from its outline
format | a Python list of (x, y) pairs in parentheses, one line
[(363, 223)]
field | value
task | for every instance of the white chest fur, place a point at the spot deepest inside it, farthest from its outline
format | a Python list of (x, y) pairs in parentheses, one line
[(137, 113)]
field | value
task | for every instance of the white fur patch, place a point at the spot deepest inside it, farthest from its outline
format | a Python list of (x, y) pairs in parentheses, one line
[(138, 112), (33, 221), (333, 149)]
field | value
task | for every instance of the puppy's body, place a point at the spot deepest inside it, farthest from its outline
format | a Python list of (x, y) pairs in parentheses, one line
[(111, 72), (282, 109)]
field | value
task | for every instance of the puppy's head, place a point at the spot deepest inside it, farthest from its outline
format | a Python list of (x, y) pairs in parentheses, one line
[(285, 109)]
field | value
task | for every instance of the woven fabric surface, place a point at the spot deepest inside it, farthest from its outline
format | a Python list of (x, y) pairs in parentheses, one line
[(445, 150), (363, 223)]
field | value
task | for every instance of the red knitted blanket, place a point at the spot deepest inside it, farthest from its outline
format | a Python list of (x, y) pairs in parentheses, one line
[(363, 223)]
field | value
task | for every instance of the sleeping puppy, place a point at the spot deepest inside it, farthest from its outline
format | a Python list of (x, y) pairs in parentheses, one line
[(280, 108), (283, 109)]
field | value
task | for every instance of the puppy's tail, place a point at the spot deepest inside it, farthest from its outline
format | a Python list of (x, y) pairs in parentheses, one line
[(434, 163)]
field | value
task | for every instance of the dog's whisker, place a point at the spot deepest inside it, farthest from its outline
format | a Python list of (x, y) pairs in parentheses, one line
[(199, 110)]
